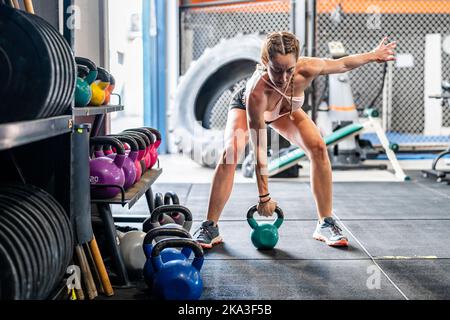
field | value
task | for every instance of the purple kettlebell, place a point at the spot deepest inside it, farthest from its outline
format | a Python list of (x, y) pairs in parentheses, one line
[(104, 170), (128, 166), (147, 141)]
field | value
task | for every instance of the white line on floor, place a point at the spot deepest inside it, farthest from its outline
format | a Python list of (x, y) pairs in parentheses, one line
[(371, 257), (432, 190)]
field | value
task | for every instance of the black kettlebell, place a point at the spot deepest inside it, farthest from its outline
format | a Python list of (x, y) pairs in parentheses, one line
[(155, 216), (172, 198), (163, 219)]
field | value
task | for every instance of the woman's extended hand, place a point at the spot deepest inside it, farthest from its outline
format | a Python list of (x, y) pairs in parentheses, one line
[(385, 52), (267, 209)]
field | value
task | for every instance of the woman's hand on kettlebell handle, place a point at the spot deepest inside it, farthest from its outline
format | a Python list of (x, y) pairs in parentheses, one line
[(266, 207)]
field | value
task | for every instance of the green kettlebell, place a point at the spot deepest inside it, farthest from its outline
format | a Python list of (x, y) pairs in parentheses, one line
[(265, 235), (83, 92)]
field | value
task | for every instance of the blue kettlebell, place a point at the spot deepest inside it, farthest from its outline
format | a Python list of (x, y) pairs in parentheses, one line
[(153, 221), (177, 279), (264, 235), (167, 254)]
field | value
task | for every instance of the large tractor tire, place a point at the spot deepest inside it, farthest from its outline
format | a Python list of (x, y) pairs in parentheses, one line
[(198, 114)]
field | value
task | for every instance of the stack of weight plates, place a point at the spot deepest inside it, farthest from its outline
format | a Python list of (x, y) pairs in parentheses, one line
[(37, 68), (36, 243)]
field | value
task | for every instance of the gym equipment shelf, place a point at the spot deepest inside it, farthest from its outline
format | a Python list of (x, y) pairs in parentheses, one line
[(132, 195), (92, 111), (16, 134)]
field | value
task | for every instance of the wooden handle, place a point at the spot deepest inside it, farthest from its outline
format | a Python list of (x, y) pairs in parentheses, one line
[(93, 290), (80, 294), (16, 4), (93, 267), (28, 6), (107, 288), (86, 273)]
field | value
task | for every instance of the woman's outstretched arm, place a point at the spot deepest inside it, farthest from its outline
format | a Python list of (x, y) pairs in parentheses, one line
[(382, 53)]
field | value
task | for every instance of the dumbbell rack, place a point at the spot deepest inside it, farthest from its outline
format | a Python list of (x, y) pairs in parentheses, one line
[(128, 197)]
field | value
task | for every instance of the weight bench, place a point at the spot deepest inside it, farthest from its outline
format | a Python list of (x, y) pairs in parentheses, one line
[(291, 158)]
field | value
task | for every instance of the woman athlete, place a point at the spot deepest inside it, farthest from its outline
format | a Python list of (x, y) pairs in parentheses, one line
[(274, 96)]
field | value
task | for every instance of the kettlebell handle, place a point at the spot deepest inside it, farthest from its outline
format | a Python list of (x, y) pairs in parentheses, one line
[(112, 80), (127, 139), (103, 75), (138, 139), (164, 231), (95, 141), (251, 220), (157, 262), (100, 147), (157, 135), (82, 71), (141, 135), (101, 151), (158, 201), (170, 208), (90, 78), (147, 132), (155, 132), (171, 196), (86, 62)]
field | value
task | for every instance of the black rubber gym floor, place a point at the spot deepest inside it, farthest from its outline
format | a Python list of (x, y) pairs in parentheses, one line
[(398, 234)]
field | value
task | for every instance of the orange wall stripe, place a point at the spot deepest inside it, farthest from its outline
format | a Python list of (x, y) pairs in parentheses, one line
[(385, 6), (339, 108), (256, 6)]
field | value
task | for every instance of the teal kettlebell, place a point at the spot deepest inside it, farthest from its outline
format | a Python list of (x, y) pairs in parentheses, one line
[(265, 235), (83, 92)]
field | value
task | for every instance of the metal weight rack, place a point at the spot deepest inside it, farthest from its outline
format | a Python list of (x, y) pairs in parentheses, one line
[(129, 197), (53, 154)]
